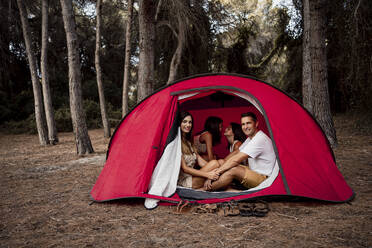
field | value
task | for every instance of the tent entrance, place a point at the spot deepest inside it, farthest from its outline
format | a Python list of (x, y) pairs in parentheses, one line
[(228, 105)]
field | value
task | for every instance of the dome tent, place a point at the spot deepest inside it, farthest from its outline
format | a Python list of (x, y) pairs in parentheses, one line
[(305, 165)]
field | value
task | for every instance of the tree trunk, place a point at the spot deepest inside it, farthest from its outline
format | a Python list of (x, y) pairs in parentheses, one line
[(318, 95), (38, 100), (49, 111), (176, 59), (82, 140), (307, 92), (146, 46), (127, 58), (102, 102), (5, 38)]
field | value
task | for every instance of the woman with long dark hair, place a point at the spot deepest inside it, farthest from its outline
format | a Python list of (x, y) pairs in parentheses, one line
[(209, 137), (189, 176), (235, 136)]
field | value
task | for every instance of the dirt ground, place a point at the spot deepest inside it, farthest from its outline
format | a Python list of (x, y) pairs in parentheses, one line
[(44, 202)]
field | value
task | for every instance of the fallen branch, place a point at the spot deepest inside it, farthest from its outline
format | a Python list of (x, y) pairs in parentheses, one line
[(288, 216)]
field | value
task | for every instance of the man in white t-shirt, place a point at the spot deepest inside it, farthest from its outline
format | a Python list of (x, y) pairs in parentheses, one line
[(257, 148)]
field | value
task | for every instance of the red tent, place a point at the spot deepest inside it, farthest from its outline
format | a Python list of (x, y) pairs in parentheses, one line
[(305, 162)]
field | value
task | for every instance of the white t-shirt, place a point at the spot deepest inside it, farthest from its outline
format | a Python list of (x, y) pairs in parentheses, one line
[(261, 153)]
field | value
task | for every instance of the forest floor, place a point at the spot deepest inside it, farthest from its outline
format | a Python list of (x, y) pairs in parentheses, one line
[(44, 202)]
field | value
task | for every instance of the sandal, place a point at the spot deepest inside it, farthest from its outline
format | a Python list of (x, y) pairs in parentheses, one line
[(182, 207), (230, 209), (251, 209), (246, 209), (261, 211), (207, 208)]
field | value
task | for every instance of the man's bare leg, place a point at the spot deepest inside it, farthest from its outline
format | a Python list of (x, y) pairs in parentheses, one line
[(226, 178)]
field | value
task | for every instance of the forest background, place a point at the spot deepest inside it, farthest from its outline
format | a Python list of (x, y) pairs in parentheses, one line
[(263, 39)]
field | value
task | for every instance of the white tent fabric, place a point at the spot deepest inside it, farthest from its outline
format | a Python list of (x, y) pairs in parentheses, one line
[(164, 178), (246, 97)]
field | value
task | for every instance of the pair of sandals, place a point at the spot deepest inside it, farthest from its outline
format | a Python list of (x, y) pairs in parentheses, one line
[(259, 209), (256, 209), (232, 208)]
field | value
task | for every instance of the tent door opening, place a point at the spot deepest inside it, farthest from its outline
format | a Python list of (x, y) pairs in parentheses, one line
[(228, 105)]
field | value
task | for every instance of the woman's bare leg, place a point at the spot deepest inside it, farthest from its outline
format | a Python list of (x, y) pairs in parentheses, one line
[(198, 182), (221, 162)]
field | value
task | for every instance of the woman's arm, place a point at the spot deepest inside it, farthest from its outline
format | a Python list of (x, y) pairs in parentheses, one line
[(237, 145), (207, 138), (213, 175)]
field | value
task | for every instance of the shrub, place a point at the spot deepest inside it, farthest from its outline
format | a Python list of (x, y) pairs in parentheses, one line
[(62, 118), (17, 127)]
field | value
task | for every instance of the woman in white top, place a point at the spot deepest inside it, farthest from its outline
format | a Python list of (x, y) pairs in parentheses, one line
[(189, 176), (209, 137)]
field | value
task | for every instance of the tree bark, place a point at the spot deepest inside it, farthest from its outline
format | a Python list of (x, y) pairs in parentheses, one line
[(102, 102), (49, 111), (5, 38), (146, 46), (317, 95), (38, 101), (307, 92), (82, 140), (176, 59), (127, 58)]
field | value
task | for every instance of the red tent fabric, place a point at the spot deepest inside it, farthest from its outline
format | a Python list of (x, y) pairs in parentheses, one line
[(307, 166)]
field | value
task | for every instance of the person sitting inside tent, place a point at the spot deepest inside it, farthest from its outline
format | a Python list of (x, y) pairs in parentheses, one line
[(209, 137), (257, 148), (235, 136), (189, 176)]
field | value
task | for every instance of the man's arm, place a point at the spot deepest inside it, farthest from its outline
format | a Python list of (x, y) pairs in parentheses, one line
[(231, 154), (233, 161)]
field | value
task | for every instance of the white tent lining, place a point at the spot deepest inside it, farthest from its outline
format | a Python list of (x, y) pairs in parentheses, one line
[(241, 95)]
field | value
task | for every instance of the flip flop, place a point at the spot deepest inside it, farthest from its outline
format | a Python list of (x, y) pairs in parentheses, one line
[(182, 207)]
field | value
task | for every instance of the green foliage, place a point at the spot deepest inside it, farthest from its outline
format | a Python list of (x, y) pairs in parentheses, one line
[(226, 37), (349, 54), (92, 113), (63, 119), (17, 108), (17, 127)]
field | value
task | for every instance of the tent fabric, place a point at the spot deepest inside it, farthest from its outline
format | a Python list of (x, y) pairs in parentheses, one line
[(135, 148), (305, 159), (164, 178)]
